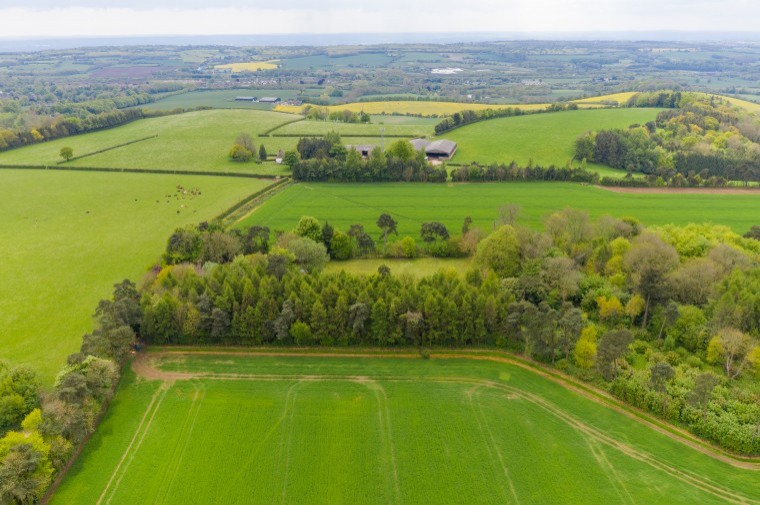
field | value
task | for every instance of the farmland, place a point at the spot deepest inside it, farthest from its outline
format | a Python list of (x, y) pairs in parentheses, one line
[(544, 138), (198, 141), (412, 204), (67, 237), (250, 66), (386, 430), (422, 108)]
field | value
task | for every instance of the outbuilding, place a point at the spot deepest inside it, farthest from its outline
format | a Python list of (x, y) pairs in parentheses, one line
[(441, 149), (269, 99)]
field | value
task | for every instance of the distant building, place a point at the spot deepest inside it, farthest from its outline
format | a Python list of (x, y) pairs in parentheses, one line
[(269, 99), (437, 150), (245, 98), (363, 149)]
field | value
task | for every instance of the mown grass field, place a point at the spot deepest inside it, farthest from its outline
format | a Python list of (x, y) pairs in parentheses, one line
[(545, 138), (413, 204), (198, 141), (67, 237), (381, 430)]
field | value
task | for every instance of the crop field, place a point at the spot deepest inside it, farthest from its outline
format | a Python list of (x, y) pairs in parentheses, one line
[(545, 138), (219, 99), (67, 237), (250, 66), (193, 141), (236, 428), (411, 204), (620, 98)]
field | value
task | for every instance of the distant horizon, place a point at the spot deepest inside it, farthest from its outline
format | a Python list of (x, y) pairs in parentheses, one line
[(41, 43)]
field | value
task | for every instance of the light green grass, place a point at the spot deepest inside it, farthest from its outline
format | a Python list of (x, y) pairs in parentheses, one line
[(197, 141), (67, 237), (418, 267), (382, 430), (411, 204), (545, 138)]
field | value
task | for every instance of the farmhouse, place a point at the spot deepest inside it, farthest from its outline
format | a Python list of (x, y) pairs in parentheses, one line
[(269, 99), (438, 149)]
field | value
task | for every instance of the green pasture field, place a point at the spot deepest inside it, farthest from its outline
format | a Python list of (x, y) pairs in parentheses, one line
[(219, 99), (411, 204), (308, 128), (545, 138), (67, 237), (305, 429), (418, 267), (198, 141)]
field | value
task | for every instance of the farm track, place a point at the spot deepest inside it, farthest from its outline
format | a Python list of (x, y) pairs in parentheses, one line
[(144, 367), (595, 437)]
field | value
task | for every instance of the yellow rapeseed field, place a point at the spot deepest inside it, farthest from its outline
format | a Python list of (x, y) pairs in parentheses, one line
[(250, 66), (620, 98)]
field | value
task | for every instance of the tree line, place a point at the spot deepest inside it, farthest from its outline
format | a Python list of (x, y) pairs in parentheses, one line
[(41, 429), (473, 116), (68, 126)]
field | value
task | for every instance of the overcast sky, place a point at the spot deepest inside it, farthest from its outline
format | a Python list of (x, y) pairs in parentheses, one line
[(32, 18)]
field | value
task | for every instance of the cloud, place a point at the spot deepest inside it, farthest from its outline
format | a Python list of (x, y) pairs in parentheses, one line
[(194, 17)]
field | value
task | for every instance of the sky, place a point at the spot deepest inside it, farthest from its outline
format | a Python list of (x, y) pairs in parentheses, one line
[(77, 18)]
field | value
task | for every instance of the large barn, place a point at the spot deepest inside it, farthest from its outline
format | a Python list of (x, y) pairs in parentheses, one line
[(438, 149)]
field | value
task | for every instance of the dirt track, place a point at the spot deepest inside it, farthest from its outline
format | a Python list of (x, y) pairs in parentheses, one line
[(143, 366)]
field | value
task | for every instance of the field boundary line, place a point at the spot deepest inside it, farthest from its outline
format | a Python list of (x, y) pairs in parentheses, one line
[(589, 392), (155, 171), (106, 149), (143, 427)]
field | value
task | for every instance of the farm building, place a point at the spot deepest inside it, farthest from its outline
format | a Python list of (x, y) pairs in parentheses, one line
[(269, 99), (245, 98), (363, 149), (438, 149)]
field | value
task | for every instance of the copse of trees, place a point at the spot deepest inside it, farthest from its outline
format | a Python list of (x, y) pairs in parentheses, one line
[(317, 113), (702, 141)]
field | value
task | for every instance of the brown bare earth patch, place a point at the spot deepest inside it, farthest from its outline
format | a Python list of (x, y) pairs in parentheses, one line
[(144, 366), (683, 191)]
